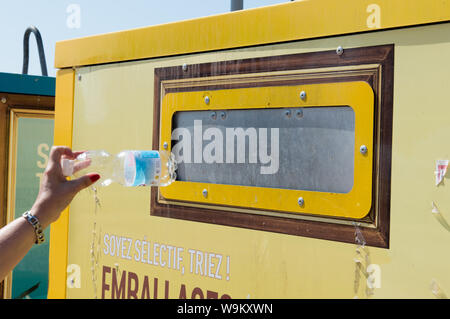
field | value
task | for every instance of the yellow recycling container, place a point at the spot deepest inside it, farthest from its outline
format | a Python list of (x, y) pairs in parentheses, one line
[(310, 138)]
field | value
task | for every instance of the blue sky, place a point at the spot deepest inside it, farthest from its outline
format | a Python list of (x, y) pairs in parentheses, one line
[(60, 20)]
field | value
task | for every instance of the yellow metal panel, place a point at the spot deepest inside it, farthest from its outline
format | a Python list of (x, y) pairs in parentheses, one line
[(355, 204), (100, 96), (265, 264), (284, 22), (59, 230)]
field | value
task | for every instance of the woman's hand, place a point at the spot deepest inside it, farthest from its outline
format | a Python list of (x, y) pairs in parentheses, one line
[(56, 192)]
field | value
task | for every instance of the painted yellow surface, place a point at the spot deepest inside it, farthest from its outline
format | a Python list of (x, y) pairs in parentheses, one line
[(354, 204), (113, 110), (59, 230), (302, 19)]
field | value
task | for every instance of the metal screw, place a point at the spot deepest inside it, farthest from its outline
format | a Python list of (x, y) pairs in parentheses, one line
[(207, 99), (287, 113), (363, 149), (299, 113), (339, 50), (184, 67), (165, 145), (301, 201), (303, 95), (3, 100), (205, 193), (213, 115), (223, 115)]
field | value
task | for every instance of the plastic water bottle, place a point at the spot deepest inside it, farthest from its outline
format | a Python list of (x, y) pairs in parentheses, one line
[(128, 168)]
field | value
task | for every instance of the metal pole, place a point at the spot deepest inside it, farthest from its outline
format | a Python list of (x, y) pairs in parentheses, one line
[(26, 40), (237, 5)]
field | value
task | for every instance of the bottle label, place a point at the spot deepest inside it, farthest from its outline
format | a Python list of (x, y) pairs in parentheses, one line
[(148, 168)]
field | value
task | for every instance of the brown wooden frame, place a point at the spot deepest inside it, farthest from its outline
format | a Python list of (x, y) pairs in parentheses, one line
[(375, 226), (7, 102)]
